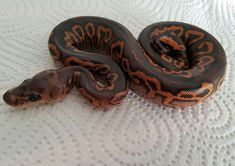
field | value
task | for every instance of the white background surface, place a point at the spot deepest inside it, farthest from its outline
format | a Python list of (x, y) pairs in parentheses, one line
[(134, 133)]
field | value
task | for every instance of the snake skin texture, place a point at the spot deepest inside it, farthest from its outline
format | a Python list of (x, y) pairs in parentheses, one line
[(171, 63), (135, 132)]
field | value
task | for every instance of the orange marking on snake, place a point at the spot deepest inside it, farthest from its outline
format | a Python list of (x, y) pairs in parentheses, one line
[(78, 31), (209, 45), (180, 64), (151, 61), (107, 33), (183, 73), (110, 81), (176, 28), (194, 95), (70, 39), (88, 27), (114, 77), (171, 29), (203, 61), (93, 100), (166, 58), (186, 74), (54, 51), (173, 43), (199, 35), (87, 64), (120, 46), (118, 98), (167, 96)]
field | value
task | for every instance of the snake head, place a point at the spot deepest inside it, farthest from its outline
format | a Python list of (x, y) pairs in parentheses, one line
[(44, 87)]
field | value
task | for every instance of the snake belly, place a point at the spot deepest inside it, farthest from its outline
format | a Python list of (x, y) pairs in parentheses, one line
[(172, 63)]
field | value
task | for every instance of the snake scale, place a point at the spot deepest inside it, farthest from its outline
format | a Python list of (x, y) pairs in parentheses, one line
[(172, 63)]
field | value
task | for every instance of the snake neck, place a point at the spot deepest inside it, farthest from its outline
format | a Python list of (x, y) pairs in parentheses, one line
[(70, 76)]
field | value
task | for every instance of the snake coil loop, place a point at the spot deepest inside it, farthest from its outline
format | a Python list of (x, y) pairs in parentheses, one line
[(176, 64)]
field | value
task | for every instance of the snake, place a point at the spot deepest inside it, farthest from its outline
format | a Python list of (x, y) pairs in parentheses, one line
[(171, 63)]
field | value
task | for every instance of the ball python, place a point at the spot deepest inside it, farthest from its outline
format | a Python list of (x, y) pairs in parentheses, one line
[(172, 63)]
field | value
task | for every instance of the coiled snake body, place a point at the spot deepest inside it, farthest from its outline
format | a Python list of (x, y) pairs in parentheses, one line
[(173, 63)]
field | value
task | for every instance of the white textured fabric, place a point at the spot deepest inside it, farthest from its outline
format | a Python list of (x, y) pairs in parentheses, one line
[(136, 132)]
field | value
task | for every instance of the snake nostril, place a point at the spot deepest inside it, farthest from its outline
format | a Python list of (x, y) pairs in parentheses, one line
[(9, 98)]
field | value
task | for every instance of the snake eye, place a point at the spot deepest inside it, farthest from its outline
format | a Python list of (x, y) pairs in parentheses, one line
[(34, 97)]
